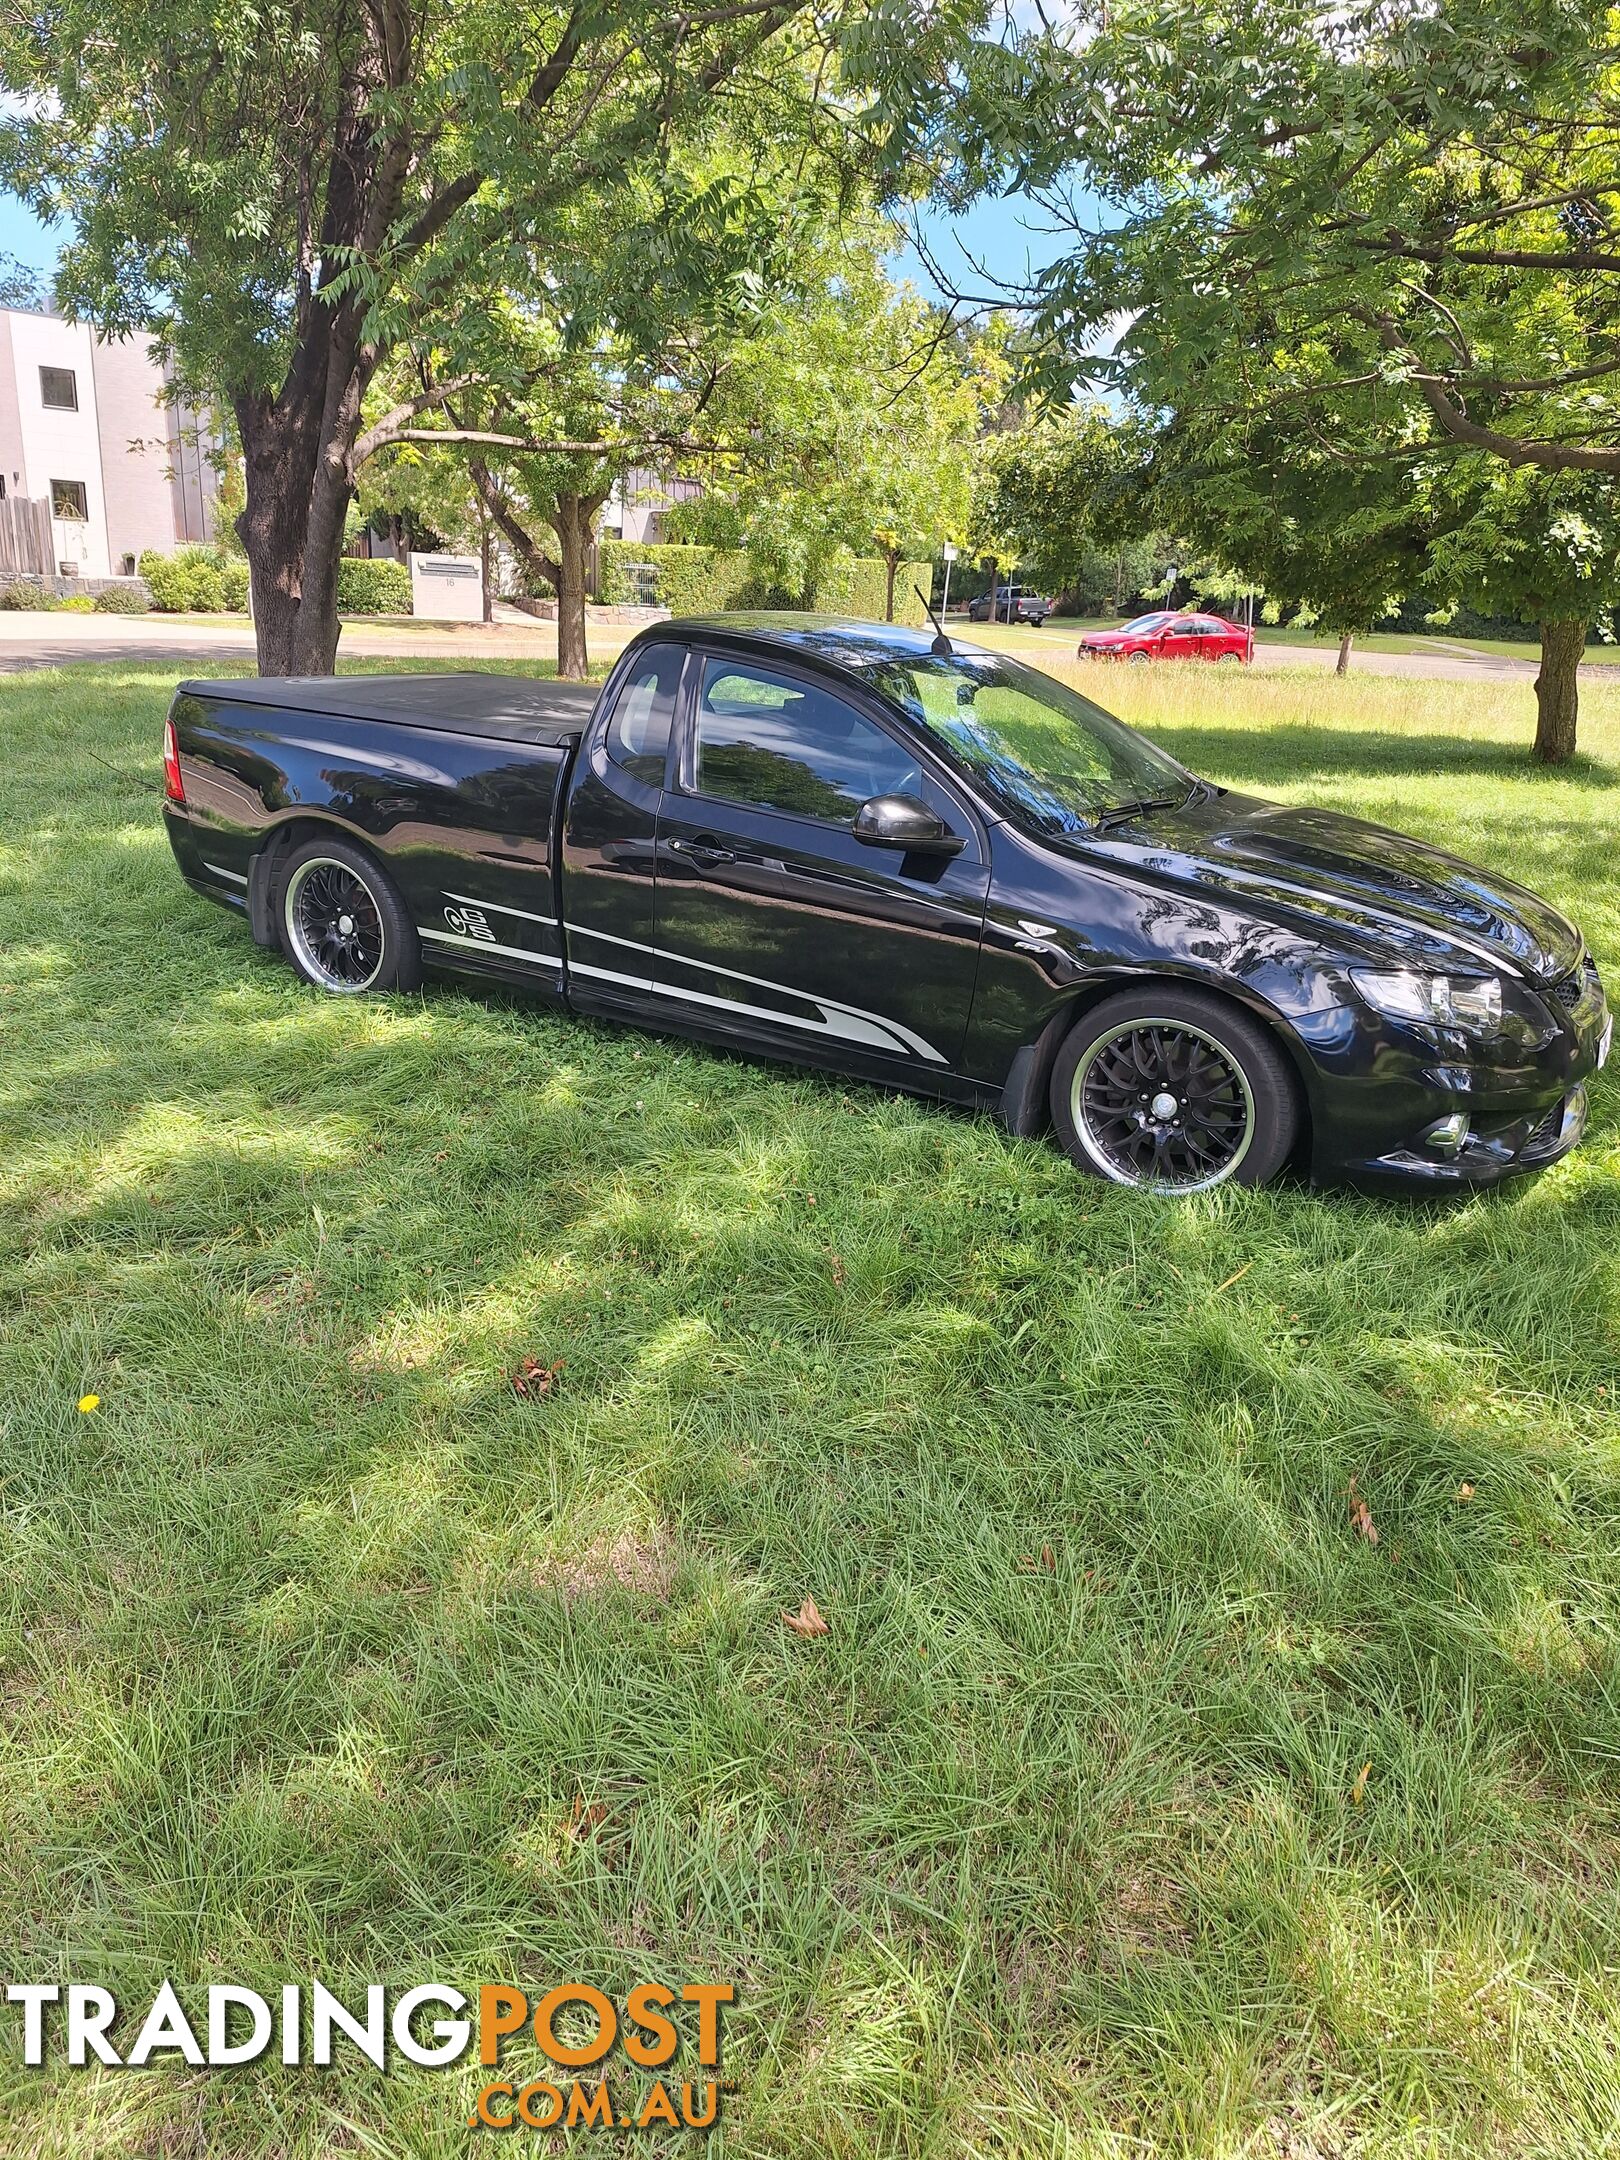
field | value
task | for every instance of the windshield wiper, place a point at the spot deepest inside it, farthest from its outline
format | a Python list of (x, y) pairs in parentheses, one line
[(1120, 813)]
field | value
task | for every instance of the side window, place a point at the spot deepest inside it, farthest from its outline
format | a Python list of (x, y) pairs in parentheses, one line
[(786, 745), (638, 734)]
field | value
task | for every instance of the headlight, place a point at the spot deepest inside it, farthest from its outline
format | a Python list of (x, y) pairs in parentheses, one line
[(1473, 1002)]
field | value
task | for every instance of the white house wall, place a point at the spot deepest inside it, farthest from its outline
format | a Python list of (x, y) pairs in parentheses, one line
[(156, 487), (61, 445)]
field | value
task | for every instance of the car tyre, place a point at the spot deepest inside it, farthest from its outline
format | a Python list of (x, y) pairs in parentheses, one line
[(1229, 659), (1173, 1091), (342, 923), (1138, 659)]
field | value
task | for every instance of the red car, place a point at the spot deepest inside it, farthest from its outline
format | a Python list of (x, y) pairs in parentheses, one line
[(1168, 636)]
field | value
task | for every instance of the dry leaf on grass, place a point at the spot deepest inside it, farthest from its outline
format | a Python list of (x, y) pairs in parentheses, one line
[(1361, 1516), (534, 1381), (1358, 1791), (1465, 1491), (807, 1620), (587, 1820)]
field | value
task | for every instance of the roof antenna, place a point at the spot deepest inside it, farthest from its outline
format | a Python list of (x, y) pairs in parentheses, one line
[(942, 648)]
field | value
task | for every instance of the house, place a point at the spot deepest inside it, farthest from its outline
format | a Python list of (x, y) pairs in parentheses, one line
[(637, 508), (95, 466)]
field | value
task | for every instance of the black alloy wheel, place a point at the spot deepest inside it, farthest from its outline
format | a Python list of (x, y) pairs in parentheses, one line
[(1172, 1091), (343, 925)]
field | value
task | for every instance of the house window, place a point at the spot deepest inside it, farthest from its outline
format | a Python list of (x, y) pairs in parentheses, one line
[(69, 500), (59, 389)]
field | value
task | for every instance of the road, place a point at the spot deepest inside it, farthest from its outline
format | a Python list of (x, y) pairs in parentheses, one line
[(1443, 660), (30, 639)]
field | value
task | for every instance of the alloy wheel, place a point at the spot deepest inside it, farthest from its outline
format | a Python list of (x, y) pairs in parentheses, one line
[(334, 925), (1161, 1103)]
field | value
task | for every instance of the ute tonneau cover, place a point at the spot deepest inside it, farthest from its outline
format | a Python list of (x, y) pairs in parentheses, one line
[(513, 708)]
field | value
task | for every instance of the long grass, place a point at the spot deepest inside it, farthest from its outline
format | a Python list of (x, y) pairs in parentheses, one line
[(1135, 1803)]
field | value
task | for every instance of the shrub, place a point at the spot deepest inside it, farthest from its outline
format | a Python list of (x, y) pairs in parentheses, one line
[(373, 586), (186, 582), (79, 603), (707, 580), (233, 583), (23, 593), (123, 600)]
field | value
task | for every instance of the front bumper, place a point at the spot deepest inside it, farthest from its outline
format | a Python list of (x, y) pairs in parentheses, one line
[(1516, 1118)]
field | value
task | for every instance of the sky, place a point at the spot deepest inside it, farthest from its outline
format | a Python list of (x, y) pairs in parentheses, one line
[(22, 235), (994, 242)]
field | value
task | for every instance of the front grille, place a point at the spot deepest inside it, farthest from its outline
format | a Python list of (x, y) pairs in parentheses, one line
[(1547, 1131), (1580, 983)]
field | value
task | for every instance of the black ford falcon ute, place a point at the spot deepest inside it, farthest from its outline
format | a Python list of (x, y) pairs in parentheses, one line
[(919, 863)]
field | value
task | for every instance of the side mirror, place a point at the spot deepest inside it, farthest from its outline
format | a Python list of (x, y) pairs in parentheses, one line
[(902, 822)]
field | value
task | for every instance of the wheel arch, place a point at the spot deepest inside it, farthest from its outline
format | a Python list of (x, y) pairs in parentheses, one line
[(1024, 1105), (266, 863)]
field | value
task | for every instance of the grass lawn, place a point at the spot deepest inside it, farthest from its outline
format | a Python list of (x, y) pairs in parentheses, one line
[(320, 1649)]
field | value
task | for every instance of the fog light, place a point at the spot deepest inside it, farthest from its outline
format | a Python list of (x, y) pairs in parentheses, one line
[(1447, 1137)]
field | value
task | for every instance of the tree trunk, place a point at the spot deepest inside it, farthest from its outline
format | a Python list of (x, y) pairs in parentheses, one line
[(573, 520), (1342, 664), (1557, 690), (486, 568), (892, 564), (573, 539), (296, 451)]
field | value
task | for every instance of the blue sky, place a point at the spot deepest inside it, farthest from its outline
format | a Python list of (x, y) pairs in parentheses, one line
[(1003, 237), (22, 235)]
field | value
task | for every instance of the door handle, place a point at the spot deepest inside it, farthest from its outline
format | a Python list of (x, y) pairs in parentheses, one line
[(704, 853)]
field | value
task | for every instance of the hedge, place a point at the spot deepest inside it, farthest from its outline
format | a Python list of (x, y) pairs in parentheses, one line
[(188, 582), (373, 585), (709, 581)]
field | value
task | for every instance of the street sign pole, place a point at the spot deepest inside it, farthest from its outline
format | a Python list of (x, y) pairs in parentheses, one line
[(948, 551)]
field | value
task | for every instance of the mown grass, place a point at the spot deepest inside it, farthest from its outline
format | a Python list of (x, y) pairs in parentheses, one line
[(316, 1639)]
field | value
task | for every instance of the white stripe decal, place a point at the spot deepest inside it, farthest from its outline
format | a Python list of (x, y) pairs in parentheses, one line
[(496, 908), (220, 870), (761, 982), (848, 1027), (483, 944)]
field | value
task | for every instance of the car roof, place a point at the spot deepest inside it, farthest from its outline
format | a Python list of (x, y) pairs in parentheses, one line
[(833, 639)]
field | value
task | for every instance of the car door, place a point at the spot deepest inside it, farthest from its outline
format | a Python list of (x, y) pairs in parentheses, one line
[(776, 926), (609, 841), (1180, 640)]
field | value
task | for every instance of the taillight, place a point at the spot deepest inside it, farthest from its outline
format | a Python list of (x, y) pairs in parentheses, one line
[(174, 788)]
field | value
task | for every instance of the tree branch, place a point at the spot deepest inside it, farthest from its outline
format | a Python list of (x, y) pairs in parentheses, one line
[(1512, 449), (387, 429), (533, 446)]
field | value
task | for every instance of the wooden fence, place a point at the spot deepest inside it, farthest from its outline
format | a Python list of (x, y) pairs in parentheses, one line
[(25, 538)]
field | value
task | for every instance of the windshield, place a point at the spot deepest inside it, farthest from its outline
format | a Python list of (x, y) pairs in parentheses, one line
[(1048, 756), (1144, 623)]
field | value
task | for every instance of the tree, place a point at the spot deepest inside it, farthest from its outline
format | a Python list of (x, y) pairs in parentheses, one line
[(1395, 228), (282, 195), (1340, 542), (1070, 494), (846, 420), (1519, 541)]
